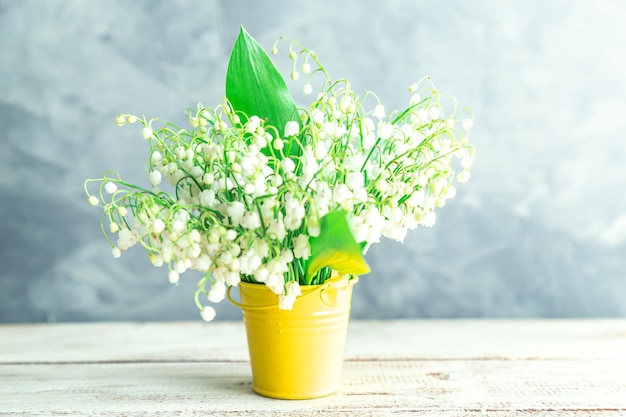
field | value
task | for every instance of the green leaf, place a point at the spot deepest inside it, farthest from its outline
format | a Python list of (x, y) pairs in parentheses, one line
[(254, 85), (335, 247)]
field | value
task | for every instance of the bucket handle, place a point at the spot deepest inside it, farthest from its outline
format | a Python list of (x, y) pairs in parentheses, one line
[(321, 290)]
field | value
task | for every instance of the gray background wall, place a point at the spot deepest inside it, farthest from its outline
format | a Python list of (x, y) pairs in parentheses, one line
[(539, 231)]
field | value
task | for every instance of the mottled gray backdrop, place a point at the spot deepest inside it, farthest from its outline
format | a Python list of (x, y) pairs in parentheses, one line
[(539, 231)]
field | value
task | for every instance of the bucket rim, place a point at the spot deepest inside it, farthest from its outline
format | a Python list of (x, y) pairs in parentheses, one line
[(306, 290)]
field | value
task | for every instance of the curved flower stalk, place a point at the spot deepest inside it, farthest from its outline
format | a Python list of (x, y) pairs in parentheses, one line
[(284, 204)]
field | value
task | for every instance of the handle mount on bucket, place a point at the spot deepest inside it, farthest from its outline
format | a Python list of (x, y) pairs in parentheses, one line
[(321, 289)]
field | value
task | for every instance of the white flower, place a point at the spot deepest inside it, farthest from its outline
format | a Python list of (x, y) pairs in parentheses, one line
[(467, 124), (110, 187), (177, 226), (293, 288), (114, 227), (207, 198), (277, 266), (126, 238), (261, 274), (379, 111), (253, 124), (260, 141), (317, 116), (156, 157), (287, 299), (359, 195), (430, 219), (251, 221), (208, 178), (359, 228), (156, 260), (147, 132), (307, 89), (220, 126), (173, 277), (295, 75), (323, 193), (301, 247), (291, 129), (225, 258), (406, 130), (394, 231), (116, 252), (416, 198), (207, 313), (422, 115), (158, 226), (342, 195), (278, 144), (368, 125), (249, 262), (180, 267), (375, 222), (313, 226), (155, 178), (295, 213), (276, 229), (217, 292), (120, 119), (344, 103), (320, 149), (267, 209), (93, 200), (261, 248), (233, 278), (287, 255), (467, 162), (181, 153), (235, 211), (463, 176), (196, 172), (292, 222), (308, 170), (415, 138), (354, 180), (275, 283), (202, 263), (330, 129), (385, 131), (353, 162), (171, 168), (286, 302), (306, 68), (287, 165), (368, 140)]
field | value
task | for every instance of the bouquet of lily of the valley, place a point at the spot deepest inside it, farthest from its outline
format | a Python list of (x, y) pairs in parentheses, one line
[(262, 191)]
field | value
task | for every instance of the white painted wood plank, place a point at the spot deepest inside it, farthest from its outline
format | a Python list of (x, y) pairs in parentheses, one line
[(485, 339), (196, 341), (103, 342), (442, 388)]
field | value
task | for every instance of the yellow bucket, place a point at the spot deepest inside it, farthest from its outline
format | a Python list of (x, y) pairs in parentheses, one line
[(297, 354)]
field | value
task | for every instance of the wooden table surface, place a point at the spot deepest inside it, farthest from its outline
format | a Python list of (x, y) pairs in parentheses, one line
[(396, 368)]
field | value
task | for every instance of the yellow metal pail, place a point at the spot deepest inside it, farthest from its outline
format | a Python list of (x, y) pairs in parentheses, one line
[(297, 354)]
